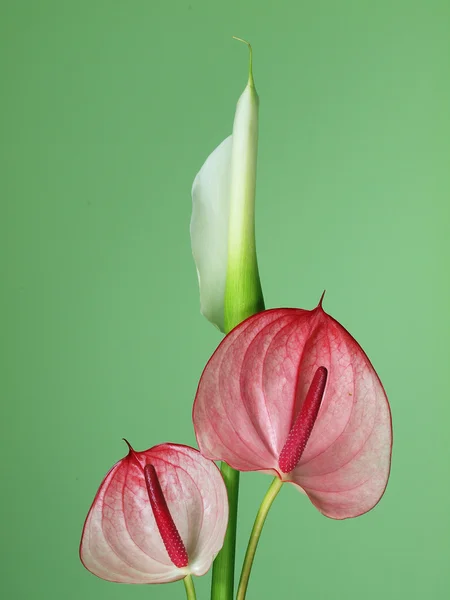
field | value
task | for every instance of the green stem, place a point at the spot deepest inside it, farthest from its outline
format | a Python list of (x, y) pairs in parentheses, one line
[(223, 568), (243, 294), (190, 589), (270, 496)]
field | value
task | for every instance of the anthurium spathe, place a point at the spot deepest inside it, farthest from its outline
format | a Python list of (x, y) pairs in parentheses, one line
[(223, 220), (290, 392), (158, 516)]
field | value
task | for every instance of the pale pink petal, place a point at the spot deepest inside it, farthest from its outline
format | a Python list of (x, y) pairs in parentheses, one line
[(345, 467), (252, 390), (121, 541), (230, 418)]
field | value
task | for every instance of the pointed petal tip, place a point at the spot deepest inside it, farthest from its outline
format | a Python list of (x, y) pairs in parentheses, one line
[(131, 452), (243, 41), (130, 447), (250, 65), (321, 300)]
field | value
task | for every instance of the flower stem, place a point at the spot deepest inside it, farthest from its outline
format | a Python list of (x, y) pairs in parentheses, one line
[(243, 294), (190, 589), (268, 499), (223, 568)]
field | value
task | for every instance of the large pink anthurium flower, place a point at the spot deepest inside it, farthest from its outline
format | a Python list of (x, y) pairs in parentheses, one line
[(290, 392), (158, 516)]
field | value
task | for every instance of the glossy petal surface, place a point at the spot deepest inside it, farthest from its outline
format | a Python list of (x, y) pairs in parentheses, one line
[(253, 388), (121, 541)]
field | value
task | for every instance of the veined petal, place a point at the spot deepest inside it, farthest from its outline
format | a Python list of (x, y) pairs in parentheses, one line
[(121, 541), (232, 420), (254, 387), (209, 230)]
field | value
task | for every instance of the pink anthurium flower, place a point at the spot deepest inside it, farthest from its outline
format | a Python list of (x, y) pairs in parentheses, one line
[(158, 516), (290, 392)]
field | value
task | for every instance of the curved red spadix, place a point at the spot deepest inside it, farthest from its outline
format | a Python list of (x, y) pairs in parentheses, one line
[(121, 539), (167, 528), (304, 422), (254, 387)]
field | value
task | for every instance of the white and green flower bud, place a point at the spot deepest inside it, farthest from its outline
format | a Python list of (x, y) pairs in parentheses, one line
[(223, 221)]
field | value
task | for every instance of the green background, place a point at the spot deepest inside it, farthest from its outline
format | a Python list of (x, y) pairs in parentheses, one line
[(108, 110)]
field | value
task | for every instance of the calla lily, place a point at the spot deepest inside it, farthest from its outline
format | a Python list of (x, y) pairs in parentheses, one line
[(158, 516), (291, 393), (223, 221)]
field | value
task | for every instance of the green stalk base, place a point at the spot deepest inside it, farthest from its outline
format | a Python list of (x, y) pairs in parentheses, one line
[(222, 587)]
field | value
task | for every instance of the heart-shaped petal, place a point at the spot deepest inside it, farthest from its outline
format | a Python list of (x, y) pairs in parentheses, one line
[(123, 542), (254, 387)]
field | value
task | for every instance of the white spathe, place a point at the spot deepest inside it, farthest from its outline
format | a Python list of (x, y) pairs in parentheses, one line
[(209, 230), (223, 206)]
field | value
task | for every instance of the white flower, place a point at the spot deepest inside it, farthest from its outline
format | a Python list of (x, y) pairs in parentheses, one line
[(223, 221)]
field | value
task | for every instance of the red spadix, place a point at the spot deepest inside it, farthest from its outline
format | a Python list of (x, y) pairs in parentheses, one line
[(304, 422)]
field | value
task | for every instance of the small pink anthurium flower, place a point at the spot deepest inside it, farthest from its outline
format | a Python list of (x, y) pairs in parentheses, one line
[(158, 516), (290, 392)]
